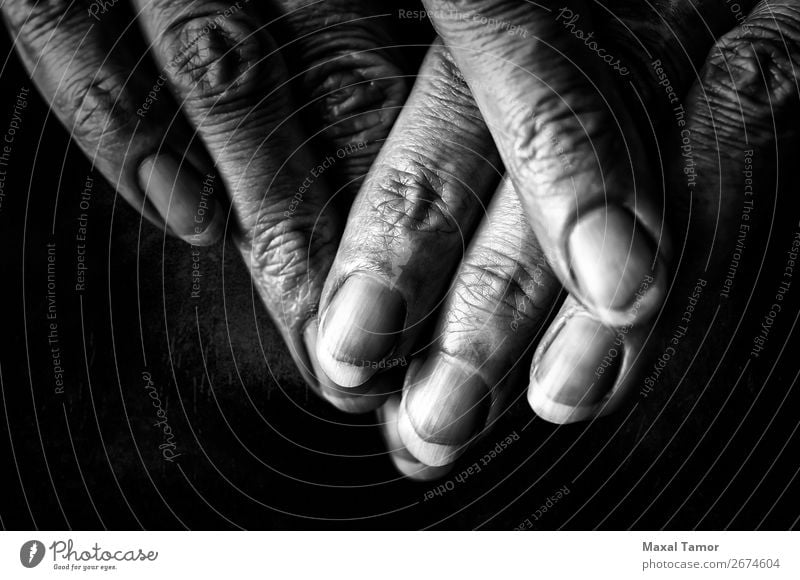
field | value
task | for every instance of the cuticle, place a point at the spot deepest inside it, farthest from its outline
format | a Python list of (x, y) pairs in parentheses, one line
[(551, 336)]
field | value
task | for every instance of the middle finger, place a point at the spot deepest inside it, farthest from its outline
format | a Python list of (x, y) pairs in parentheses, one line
[(408, 228)]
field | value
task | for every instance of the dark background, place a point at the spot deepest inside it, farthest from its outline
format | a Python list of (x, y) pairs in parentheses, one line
[(711, 447)]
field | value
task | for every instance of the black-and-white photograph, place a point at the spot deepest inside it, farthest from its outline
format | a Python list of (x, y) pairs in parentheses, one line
[(347, 265)]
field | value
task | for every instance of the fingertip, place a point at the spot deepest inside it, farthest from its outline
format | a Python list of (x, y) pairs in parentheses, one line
[(347, 402), (415, 470), (408, 465)]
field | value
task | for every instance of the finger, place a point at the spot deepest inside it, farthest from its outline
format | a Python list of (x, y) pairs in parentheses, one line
[(232, 84), (92, 76), (738, 131), (503, 294), (234, 87), (404, 462), (571, 149), (663, 46), (408, 227), (349, 74)]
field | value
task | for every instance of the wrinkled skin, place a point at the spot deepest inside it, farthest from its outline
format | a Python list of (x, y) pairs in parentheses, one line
[(736, 83), (220, 135), (428, 223)]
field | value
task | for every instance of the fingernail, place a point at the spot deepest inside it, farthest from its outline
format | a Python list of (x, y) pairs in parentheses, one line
[(445, 406), (403, 461), (347, 402), (360, 328), (183, 198), (614, 265), (576, 371)]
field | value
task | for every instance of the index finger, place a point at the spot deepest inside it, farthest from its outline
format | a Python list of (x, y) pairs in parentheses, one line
[(545, 85)]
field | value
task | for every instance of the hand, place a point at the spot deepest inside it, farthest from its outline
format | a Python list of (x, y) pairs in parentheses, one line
[(274, 128), (583, 368), (553, 103)]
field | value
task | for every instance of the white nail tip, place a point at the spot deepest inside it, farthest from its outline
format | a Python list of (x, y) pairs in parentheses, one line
[(555, 412), (432, 454), (341, 373)]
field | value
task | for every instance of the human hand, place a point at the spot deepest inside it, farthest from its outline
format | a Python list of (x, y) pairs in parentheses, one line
[(198, 111), (583, 368)]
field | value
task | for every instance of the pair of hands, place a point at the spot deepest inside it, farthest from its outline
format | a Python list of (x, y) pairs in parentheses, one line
[(603, 115)]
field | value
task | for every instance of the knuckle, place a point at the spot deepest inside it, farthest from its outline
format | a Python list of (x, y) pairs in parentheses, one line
[(349, 403), (285, 253), (354, 100), (493, 283), (494, 297), (752, 72), (346, 65), (356, 96), (415, 198), (555, 142), (95, 107), (216, 55), (34, 17)]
